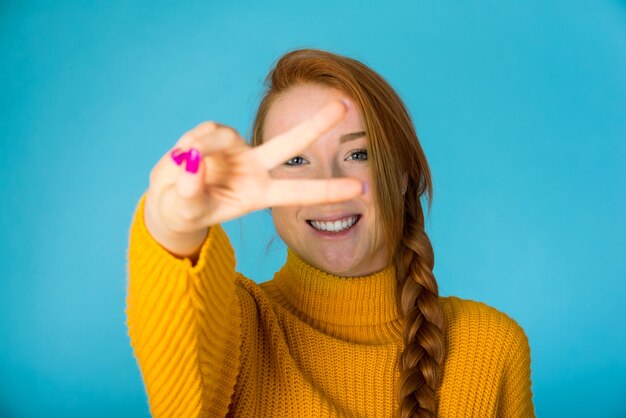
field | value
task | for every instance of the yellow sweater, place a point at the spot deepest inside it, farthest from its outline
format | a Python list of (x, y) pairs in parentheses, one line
[(212, 343)]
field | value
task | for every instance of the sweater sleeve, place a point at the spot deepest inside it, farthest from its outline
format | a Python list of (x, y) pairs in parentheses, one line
[(516, 397), (184, 323)]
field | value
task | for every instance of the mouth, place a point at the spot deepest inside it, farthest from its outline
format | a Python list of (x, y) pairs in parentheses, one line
[(335, 226)]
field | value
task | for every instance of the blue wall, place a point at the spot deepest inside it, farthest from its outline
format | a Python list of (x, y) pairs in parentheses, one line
[(520, 107)]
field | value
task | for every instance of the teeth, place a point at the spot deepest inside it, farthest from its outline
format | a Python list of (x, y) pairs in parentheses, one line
[(336, 226)]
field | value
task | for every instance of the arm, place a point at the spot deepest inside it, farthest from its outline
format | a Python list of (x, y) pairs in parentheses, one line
[(516, 397), (183, 322)]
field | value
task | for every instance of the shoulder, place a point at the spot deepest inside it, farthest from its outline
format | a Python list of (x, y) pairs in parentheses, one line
[(474, 324), (463, 313), (252, 295), (247, 288)]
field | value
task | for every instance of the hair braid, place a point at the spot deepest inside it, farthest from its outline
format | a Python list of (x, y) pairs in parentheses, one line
[(424, 350)]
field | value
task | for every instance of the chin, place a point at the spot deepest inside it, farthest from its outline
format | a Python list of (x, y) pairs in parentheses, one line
[(335, 263)]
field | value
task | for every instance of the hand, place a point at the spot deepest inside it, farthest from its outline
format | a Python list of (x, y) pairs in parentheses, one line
[(233, 179)]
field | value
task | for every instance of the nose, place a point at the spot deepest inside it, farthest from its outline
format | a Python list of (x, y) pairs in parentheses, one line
[(330, 170)]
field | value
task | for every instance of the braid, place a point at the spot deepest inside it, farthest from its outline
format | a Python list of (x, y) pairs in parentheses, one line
[(423, 355)]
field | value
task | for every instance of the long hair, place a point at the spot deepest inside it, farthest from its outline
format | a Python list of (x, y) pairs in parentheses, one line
[(394, 152)]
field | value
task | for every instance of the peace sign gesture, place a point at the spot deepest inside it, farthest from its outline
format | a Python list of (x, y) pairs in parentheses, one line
[(233, 179)]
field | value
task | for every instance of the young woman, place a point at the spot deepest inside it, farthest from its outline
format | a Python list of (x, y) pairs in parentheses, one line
[(352, 324)]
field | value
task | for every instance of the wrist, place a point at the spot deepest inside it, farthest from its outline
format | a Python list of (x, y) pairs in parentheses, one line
[(182, 245)]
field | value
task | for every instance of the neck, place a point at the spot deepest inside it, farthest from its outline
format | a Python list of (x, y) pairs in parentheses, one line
[(340, 303)]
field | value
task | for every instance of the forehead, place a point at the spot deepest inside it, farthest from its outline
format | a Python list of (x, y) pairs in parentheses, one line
[(301, 102)]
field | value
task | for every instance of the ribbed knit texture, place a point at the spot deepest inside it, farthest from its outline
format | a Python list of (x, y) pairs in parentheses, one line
[(212, 343)]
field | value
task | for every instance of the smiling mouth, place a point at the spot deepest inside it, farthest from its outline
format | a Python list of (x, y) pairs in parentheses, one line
[(335, 226)]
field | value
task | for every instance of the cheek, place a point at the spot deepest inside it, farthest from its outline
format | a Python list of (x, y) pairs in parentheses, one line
[(374, 221), (284, 221), (369, 200)]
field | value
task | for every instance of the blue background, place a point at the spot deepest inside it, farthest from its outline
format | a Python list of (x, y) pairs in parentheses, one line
[(520, 107)]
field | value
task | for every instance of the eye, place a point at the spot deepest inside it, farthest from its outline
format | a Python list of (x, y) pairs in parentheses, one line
[(358, 155), (298, 160)]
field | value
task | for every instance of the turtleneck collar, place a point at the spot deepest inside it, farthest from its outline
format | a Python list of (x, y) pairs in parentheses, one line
[(343, 301)]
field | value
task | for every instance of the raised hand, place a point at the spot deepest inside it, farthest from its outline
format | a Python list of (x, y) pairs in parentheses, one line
[(233, 179)]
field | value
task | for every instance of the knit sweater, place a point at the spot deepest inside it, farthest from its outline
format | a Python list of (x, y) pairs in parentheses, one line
[(211, 343)]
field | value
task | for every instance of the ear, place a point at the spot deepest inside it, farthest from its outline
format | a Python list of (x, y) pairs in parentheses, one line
[(405, 182)]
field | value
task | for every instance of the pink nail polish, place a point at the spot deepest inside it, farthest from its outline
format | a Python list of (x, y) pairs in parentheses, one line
[(178, 156), (193, 161)]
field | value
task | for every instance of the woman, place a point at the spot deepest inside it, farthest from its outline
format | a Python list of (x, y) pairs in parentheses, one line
[(352, 324)]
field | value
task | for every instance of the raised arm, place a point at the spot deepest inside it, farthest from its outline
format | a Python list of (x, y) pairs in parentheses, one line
[(183, 323), (184, 317)]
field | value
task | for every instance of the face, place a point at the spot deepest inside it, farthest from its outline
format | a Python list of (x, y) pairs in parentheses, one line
[(343, 238)]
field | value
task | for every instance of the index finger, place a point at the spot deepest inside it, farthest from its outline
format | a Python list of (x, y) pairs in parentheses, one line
[(284, 146), (312, 192)]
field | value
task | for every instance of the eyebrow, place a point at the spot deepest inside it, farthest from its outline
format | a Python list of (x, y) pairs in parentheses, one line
[(351, 136)]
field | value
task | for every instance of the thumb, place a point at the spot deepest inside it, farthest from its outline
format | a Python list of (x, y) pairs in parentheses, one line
[(190, 182)]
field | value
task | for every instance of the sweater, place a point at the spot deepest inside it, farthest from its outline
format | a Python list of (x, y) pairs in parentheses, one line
[(210, 342)]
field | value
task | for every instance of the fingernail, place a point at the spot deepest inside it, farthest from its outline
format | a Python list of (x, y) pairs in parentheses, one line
[(365, 187), (193, 161), (178, 156)]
